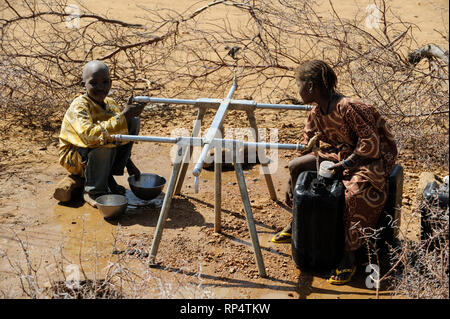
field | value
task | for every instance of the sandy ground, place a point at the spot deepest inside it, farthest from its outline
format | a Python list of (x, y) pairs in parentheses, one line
[(190, 252)]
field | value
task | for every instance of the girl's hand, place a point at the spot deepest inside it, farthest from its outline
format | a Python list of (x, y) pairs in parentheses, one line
[(337, 168)]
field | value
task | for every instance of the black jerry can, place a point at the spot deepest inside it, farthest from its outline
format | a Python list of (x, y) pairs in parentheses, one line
[(317, 226)]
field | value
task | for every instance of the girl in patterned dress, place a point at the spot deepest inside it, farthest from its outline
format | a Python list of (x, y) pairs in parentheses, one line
[(358, 140)]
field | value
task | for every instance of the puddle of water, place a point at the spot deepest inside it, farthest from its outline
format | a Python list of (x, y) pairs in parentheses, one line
[(83, 227), (86, 234)]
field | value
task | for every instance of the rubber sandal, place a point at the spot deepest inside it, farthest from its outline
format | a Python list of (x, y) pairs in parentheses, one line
[(281, 238), (347, 275)]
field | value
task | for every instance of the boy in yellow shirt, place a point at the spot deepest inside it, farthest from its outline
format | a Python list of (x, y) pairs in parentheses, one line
[(83, 150)]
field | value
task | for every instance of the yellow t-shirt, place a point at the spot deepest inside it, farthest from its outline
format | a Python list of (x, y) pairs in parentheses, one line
[(81, 128)]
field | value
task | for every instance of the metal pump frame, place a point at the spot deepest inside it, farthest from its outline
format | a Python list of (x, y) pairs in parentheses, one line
[(210, 140)]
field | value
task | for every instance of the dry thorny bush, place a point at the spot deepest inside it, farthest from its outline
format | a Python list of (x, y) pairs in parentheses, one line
[(411, 268), (420, 269), (43, 47)]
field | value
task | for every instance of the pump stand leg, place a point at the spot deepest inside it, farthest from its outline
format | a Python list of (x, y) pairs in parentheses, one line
[(269, 182), (218, 187), (166, 203), (265, 167), (187, 158), (249, 217)]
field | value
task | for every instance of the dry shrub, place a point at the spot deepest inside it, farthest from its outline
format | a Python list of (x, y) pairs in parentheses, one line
[(127, 273), (171, 54), (412, 268), (41, 56), (372, 64), (422, 267)]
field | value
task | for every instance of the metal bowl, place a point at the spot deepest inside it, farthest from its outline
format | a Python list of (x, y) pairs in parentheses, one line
[(148, 186), (111, 205)]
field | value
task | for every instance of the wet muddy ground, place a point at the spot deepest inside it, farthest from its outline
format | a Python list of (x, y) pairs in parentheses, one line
[(194, 261), (190, 254)]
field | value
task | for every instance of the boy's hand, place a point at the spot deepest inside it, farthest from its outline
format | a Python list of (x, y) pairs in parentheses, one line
[(133, 109)]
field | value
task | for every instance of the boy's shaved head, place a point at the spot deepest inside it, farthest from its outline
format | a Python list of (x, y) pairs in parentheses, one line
[(96, 80), (93, 67)]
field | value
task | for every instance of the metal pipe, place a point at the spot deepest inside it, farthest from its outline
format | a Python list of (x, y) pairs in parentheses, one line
[(215, 103), (139, 138), (249, 218), (195, 131), (218, 186), (267, 176), (297, 147), (214, 129), (283, 106), (199, 141), (166, 203), (217, 189), (147, 99)]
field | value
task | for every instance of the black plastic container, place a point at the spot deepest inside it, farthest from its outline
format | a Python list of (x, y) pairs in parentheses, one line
[(434, 202), (317, 226)]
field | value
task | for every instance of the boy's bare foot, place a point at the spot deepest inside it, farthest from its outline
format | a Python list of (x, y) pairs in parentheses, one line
[(114, 187), (133, 170), (90, 200)]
